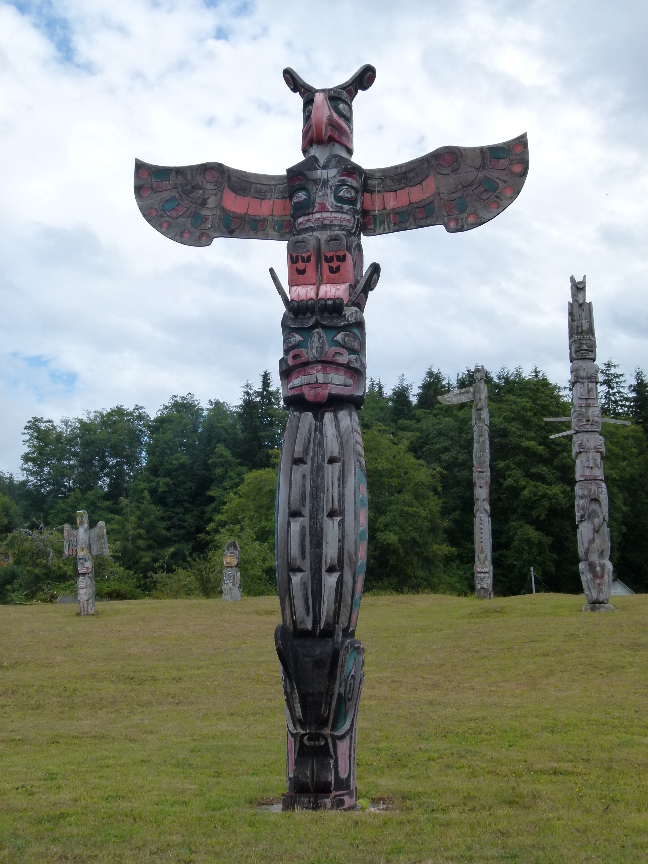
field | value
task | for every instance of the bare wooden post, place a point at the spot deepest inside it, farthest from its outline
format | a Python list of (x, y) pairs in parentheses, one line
[(478, 395)]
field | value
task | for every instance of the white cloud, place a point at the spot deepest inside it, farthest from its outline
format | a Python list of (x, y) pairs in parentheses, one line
[(98, 309)]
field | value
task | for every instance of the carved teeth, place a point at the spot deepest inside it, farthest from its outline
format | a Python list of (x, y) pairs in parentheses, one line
[(320, 378), (325, 220)]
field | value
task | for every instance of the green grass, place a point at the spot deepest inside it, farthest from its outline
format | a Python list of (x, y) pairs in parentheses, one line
[(512, 731)]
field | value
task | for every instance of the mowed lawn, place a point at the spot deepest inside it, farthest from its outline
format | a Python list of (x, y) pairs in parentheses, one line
[(514, 730)]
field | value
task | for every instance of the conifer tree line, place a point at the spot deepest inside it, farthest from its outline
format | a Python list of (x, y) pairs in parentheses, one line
[(173, 488)]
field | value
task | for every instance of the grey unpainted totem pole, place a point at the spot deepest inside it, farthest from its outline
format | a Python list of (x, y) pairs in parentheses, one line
[(478, 395), (83, 543), (231, 574), (588, 450), (321, 206)]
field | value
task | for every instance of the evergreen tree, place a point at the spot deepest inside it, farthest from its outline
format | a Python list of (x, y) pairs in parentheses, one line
[(432, 386), (639, 400), (261, 423), (613, 392), (400, 400)]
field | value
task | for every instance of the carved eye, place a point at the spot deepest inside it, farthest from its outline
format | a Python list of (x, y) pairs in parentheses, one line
[(308, 110), (345, 194), (340, 107), (348, 340), (301, 196), (290, 340)]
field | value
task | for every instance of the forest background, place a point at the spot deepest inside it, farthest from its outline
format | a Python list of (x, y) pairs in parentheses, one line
[(172, 489)]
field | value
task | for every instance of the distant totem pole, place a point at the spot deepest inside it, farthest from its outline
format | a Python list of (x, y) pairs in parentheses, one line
[(82, 543), (322, 206), (588, 450), (231, 574), (478, 395)]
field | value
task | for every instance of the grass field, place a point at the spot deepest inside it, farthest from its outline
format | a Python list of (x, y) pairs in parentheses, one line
[(514, 730)]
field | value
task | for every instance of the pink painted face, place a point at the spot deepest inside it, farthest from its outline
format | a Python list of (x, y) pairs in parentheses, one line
[(325, 197), (328, 119), (324, 358)]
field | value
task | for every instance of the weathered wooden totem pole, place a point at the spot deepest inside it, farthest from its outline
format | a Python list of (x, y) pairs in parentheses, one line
[(83, 543), (588, 449), (321, 206), (231, 574), (478, 395)]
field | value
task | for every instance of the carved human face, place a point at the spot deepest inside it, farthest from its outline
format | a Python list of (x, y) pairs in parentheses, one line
[(324, 358), (328, 119), (325, 197)]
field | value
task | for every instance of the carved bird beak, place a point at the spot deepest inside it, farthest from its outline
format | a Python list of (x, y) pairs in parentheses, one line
[(325, 127)]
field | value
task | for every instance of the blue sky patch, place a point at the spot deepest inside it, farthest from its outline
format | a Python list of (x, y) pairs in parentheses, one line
[(55, 26)]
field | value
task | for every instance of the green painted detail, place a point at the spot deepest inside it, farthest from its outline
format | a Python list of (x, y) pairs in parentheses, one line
[(341, 198), (227, 220), (171, 204), (345, 708), (302, 205), (254, 225), (490, 184), (160, 176), (429, 210), (498, 152), (402, 217), (279, 225), (461, 205), (197, 220)]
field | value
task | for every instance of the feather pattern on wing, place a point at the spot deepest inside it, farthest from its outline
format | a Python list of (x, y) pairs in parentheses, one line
[(193, 204), (458, 187)]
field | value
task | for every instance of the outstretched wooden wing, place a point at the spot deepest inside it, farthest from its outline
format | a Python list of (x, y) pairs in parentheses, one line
[(99, 540), (69, 541), (458, 187), (195, 203)]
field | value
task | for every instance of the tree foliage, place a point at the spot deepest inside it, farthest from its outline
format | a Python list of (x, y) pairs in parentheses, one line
[(175, 487)]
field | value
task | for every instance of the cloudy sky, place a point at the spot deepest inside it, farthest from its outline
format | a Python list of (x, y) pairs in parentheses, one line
[(97, 309)]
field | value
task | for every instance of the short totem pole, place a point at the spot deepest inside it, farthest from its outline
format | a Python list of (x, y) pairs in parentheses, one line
[(231, 574), (321, 206), (478, 395), (82, 543)]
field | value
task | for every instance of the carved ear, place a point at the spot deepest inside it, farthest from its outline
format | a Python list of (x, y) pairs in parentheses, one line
[(295, 83), (362, 80)]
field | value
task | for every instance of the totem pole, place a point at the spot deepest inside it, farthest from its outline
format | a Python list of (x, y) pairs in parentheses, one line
[(321, 206), (588, 450), (82, 544), (478, 395), (231, 574)]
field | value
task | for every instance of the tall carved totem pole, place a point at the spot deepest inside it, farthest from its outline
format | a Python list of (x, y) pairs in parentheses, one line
[(478, 395), (83, 543), (588, 449), (322, 206)]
